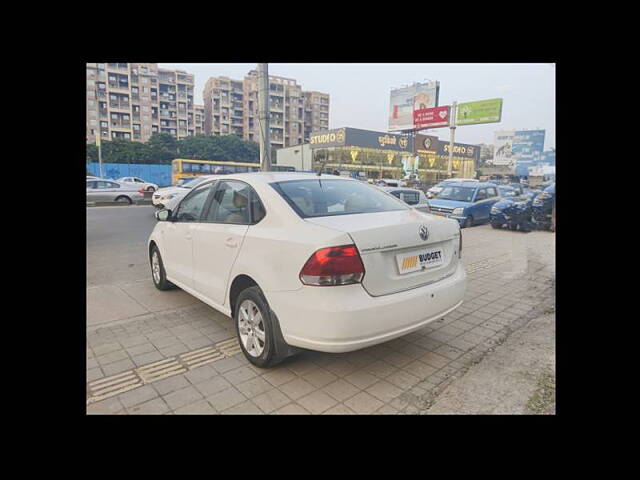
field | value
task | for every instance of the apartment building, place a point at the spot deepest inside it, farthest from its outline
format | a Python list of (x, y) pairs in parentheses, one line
[(132, 101), (231, 107), (316, 113)]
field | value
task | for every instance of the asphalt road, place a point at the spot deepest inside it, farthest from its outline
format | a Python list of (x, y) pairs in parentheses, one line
[(117, 243)]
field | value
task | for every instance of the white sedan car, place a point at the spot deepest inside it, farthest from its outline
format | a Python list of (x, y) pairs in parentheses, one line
[(148, 186), (305, 261), (168, 197)]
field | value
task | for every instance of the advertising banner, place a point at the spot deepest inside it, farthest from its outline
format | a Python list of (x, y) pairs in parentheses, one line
[(483, 111), (404, 101), (378, 140), (427, 144), (503, 145), (431, 117)]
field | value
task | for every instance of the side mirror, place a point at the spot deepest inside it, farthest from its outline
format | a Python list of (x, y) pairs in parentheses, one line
[(163, 215)]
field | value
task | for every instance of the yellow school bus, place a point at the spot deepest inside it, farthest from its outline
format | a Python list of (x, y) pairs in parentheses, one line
[(188, 168)]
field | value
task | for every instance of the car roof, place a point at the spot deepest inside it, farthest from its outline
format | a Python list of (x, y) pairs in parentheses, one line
[(471, 184), (389, 189), (271, 177)]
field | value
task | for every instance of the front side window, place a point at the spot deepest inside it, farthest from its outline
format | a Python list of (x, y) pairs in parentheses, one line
[(321, 198), (491, 192), (191, 207), (482, 195), (231, 204), (91, 184)]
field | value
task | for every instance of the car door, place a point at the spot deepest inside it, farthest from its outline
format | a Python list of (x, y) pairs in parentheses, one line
[(177, 236), (101, 192), (92, 191), (480, 209), (218, 239)]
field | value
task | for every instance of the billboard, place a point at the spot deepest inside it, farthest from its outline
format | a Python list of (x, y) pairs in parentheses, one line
[(404, 101), (431, 117), (503, 145), (483, 111)]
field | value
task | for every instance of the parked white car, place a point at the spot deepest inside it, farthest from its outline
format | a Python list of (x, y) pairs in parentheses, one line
[(168, 197), (436, 189), (305, 261), (411, 196), (148, 186)]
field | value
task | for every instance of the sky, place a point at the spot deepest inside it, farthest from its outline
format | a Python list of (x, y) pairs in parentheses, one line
[(359, 92)]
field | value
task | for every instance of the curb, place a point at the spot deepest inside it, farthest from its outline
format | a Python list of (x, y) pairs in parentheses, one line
[(118, 204)]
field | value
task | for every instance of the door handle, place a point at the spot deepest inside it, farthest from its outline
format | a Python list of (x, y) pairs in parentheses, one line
[(231, 243)]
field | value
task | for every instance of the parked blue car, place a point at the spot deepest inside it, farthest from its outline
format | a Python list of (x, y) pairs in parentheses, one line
[(542, 207), (467, 202), (513, 212)]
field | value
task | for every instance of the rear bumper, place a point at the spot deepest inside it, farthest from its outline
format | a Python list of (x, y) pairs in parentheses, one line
[(347, 318)]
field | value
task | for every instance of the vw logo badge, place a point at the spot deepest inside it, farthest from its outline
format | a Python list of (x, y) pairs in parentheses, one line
[(424, 233)]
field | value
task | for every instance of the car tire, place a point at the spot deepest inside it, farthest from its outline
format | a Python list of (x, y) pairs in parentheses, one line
[(253, 318), (123, 198), (468, 222), (151, 189), (496, 225), (158, 274)]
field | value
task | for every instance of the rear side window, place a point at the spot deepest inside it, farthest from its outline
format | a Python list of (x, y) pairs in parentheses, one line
[(231, 204), (412, 198), (321, 198)]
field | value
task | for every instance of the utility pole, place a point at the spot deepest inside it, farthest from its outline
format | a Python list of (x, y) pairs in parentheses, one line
[(98, 141), (263, 117), (452, 124)]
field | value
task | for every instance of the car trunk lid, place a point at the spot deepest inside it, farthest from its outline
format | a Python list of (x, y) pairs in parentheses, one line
[(394, 255)]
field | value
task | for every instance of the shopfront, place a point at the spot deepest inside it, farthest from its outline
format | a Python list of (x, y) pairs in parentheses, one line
[(372, 154), (387, 155), (433, 158)]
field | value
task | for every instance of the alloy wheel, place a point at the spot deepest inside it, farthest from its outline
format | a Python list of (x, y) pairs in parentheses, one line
[(251, 328), (155, 267)]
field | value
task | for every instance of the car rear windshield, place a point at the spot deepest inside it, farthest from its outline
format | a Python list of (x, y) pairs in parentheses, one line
[(460, 194), (322, 198)]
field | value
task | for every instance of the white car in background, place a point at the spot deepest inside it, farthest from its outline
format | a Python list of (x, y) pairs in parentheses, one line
[(436, 189), (147, 186), (305, 261), (411, 196), (168, 197)]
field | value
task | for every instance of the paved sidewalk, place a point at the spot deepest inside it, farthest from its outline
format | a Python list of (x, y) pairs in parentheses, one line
[(517, 378), (171, 361)]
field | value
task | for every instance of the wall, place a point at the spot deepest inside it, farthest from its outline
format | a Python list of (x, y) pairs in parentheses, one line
[(158, 174), (302, 160)]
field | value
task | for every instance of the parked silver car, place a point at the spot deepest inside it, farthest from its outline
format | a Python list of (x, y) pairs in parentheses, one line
[(103, 190)]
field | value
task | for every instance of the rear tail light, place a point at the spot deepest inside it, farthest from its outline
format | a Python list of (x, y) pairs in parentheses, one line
[(333, 266)]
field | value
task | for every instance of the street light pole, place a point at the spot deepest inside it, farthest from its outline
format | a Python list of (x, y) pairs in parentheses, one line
[(98, 142), (263, 117), (452, 123)]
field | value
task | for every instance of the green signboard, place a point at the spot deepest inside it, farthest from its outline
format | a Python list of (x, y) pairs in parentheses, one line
[(484, 111)]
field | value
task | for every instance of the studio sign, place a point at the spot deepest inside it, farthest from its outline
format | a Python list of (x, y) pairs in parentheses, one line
[(459, 149), (330, 137), (389, 140)]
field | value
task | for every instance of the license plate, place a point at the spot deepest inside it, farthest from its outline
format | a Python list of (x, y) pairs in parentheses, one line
[(419, 260)]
